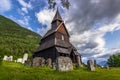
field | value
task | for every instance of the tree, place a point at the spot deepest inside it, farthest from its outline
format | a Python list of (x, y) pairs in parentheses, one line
[(114, 61), (53, 3)]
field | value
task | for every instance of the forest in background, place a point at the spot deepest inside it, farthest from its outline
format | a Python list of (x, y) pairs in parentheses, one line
[(16, 40)]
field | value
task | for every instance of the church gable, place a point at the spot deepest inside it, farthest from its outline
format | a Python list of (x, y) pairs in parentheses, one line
[(62, 29)]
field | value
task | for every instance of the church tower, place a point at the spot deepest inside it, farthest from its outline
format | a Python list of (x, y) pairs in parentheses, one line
[(56, 43)]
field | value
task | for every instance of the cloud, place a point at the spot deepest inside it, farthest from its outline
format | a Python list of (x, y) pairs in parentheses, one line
[(110, 52), (24, 10), (41, 31), (91, 43), (30, 28), (25, 6), (39, 3), (87, 12), (24, 21), (5, 5), (44, 17)]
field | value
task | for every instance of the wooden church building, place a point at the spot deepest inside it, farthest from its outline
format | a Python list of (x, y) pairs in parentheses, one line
[(56, 43)]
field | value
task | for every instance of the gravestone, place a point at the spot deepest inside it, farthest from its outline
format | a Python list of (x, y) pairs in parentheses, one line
[(49, 62), (10, 58), (19, 60), (25, 57), (38, 61), (90, 65), (79, 62), (95, 64), (64, 64), (5, 58)]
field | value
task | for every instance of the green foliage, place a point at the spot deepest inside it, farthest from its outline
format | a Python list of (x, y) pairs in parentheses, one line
[(114, 61), (53, 4), (16, 71), (16, 40)]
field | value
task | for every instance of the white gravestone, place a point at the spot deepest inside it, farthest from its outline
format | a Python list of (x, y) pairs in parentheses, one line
[(25, 57), (5, 58), (19, 60), (10, 58)]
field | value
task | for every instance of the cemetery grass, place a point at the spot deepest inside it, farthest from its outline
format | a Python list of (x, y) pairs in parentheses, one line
[(17, 71)]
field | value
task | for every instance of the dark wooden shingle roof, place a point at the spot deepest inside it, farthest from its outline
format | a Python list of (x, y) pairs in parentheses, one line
[(48, 33), (45, 45), (62, 50)]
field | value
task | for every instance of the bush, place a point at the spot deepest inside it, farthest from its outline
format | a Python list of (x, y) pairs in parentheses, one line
[(114, 61)]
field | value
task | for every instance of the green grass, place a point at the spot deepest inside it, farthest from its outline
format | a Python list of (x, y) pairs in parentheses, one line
[(17, 71)]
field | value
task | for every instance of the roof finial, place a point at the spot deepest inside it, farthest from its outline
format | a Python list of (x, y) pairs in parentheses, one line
[(57, 16)]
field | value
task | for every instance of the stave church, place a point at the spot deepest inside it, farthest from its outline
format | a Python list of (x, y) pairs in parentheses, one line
[(56, 43)]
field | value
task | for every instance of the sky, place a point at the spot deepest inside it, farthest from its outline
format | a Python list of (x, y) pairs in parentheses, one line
[(94, 25)]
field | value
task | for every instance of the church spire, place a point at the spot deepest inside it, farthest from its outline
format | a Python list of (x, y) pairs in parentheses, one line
[(56, 20), (57, 16)]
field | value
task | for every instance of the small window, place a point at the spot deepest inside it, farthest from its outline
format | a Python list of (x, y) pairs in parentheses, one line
[(62, 37)]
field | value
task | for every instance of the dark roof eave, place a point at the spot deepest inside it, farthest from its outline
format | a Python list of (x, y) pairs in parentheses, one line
[(43, 49), (47, 35)]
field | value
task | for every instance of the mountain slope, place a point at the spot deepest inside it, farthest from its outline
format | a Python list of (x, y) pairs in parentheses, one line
[(16, 40)]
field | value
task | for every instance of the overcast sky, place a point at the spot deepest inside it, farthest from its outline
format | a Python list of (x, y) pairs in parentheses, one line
[(94, 25)]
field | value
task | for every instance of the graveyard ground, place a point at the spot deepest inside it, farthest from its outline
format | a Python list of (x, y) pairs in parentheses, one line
[(17, 71)]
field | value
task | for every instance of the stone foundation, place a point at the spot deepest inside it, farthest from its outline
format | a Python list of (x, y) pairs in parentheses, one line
[(64, 64), (49, 62), (38, 62), (60, 64)]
